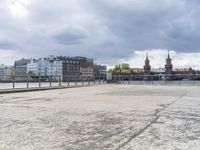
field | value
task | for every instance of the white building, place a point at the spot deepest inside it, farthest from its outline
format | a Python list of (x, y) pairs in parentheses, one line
[(50, 67), (33, 67), (158, 70), (6, 72)]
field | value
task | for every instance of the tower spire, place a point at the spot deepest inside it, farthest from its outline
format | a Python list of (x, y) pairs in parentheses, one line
[(147, 67), (168, 66), (168, 54)]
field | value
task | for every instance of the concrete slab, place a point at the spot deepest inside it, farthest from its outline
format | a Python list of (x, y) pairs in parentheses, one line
[(101, 117)]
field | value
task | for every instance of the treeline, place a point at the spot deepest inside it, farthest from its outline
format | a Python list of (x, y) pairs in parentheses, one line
[(123, 68)]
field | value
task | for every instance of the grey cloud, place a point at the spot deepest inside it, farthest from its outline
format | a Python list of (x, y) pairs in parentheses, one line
[(67, 38), (8, 45), (151, 26), (104, 30)]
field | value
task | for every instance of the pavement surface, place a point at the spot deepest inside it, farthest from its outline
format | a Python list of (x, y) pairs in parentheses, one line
[(123, 117)]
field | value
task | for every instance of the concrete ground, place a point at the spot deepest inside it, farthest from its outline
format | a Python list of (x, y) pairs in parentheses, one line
[(102, 117)]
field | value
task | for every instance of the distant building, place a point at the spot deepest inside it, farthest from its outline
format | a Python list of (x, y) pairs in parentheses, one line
[(184, 71), (32, 67), (21, 69), (70, 68), (168, 66), (100, 71), (137, 71), (147, 67), (158, 70), (6, 72), (46, 66), (76, 68), (50, 66), (86, 68), (108, 76)]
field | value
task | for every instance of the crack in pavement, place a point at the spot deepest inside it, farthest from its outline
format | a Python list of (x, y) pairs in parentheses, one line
[(157, 116)]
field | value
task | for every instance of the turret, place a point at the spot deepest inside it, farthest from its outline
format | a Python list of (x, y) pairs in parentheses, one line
[(168, 66), (147, 67)]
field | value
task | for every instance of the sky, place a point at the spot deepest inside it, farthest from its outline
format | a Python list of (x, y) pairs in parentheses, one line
[(110, 31)]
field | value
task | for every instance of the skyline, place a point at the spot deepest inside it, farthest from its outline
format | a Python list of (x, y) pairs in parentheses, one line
[(110, 32), (156, 62)]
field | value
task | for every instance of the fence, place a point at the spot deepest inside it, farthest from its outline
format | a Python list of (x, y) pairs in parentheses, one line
[(178, 79), (15, 82)]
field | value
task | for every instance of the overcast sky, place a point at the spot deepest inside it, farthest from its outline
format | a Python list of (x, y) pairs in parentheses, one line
[(110, 31)]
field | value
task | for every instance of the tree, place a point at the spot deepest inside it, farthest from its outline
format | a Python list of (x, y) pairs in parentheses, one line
[(12, 74), (125, 66), (122, 69), (30, 72), (117, 69), (110, 70)]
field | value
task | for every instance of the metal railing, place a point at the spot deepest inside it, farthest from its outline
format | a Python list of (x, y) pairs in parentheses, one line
[(160, 79), (16, 82)]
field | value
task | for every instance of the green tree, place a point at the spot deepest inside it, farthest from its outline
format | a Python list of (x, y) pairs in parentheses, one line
[(110, 70), (12, 74), (122, 69), (117, 69), (30, 72), (125, 66)]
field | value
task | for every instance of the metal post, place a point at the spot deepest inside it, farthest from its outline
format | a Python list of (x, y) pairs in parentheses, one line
[(76, 83), (27, 82), (39, 81), (88, 81), (13, 82), (59, 81), (99, 80), (50, 81)]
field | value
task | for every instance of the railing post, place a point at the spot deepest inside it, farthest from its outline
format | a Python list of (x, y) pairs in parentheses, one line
[(68, 79), (88, 81), (99, 80), (82, 82), (75, 82), (50, 82), (27, 82), (39, 81), (59, 80), (14, 82)]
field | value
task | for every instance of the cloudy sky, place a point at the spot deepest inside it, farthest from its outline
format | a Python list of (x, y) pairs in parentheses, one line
[(110, 31)]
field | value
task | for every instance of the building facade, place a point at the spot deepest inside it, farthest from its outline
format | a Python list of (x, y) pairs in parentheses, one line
[(70, 68), (168, 66), (86, 68), (6, 73), (46, 66), (100, 71), (20, 67), (147, 67)]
